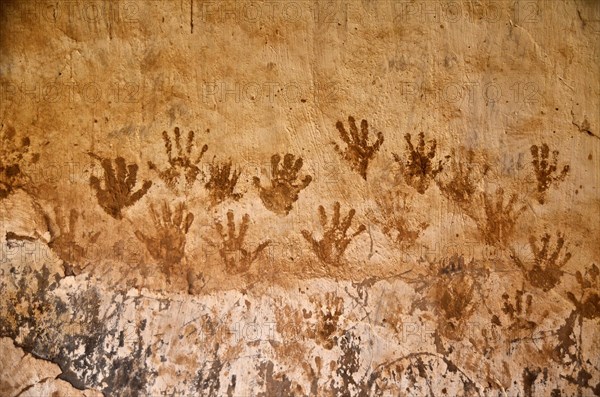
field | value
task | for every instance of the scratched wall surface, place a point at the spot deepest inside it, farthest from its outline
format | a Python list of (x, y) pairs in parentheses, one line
[(299, 198)]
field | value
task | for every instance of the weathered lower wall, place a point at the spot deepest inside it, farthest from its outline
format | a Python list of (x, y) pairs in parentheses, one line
[(299, 198)]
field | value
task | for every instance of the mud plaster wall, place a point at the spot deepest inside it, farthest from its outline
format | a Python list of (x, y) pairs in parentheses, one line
[(363, 198)]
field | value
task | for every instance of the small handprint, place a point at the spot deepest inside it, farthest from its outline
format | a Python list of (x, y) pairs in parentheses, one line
[(237, 259), (12, 157), (588, 304), (461, 185), (330, 249), (546, 271), (498, 223), (284, 188), (397, 218), (519, 312), (167, 246), (358, 152), (182, 164), (222, 183), (546, 169), (419, 169), (64, 242), (117, 193), (328, 312)]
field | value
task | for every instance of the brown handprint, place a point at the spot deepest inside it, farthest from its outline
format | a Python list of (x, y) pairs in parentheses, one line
[(498, 223), (588, 303), (358, 152), (222, 182), (64, 243), (546, 271), (461, 185), (237, 259), (545, 169), (419, 169), (452, 295), (284, 189), (519, 313), (330, 249), (167, 246), (182, 163), (328, 312), (12, 157), (397, 220), (118, 186)]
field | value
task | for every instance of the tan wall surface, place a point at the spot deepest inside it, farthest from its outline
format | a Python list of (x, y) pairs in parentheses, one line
[(299, 198)]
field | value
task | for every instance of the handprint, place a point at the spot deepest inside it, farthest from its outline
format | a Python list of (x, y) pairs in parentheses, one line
[(419, 169), (182, 163), (461, 185), (117, 193), (358, 152), (167, 246), (397, 220), (588, 304), (12, 157), (545, 170), (237, 259), (222, 182), (498, 224), (284, 189), (64, 242), (452, 295), (330, 249), (328, 312), (546, 271), (519, 313)]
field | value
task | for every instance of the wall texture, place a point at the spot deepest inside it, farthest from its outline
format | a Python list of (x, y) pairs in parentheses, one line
[(299, 198)]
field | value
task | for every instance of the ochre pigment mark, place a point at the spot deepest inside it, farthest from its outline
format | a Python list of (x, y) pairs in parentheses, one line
[(235, 256), (119, 184), (358, 151), (498, 222), (13, 156), (64, 242), (222, 181), (588, 304), (329, 308), (419, 168), (465, 174), (182, 164), (452, 296), (330, 249), (546, 270), (167, 245), (546, 170), (284, 189), (396, 219), (518, 311)]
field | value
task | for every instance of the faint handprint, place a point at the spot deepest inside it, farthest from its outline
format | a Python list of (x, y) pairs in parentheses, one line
[(358, 151), (284, 189), (64, 242), (13, 155), (119, 184), (182, 164), (330, 249), (236, 257), (546, 270), (167, 246), (498, 223)]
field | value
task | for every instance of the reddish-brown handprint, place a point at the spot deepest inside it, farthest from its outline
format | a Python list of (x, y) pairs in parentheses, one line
[(358, 152), (284, 189)]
